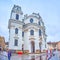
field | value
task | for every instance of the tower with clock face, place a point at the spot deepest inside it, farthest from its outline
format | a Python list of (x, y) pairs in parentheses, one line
[(15, 28)]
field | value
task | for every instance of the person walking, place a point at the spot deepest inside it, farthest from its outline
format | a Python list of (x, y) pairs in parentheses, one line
[(9, 54)]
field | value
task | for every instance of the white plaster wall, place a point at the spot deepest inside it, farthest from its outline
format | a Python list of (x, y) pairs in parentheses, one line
[(26, 41), (13, 36), (43, 44), (37, 40), (13, 16), (11, 41)]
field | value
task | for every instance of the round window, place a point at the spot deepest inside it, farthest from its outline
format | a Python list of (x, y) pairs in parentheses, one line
[(31, 20)]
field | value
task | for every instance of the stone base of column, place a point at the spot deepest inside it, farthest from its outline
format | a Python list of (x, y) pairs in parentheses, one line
[(19, 51), (38, 51), (26, 51)]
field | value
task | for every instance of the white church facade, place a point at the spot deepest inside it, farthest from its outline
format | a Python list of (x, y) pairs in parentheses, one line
[(26, 32)]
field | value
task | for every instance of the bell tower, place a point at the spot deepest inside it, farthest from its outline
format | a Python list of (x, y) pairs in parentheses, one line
[(15, 28), (16, 13)]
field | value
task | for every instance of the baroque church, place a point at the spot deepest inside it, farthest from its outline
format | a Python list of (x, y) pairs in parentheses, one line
[(26, 32)]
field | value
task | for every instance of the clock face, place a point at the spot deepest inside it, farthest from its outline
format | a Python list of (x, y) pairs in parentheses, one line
[(31, 20)]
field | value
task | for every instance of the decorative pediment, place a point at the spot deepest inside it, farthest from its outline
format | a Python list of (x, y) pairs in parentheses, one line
[(32, 39)]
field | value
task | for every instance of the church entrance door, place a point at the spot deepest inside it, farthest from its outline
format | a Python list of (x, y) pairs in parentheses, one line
[(32, 47)]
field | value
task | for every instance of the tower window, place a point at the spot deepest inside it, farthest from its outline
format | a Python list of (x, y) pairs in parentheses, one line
[(22, 34), (32, 32), (39, 32), (31, 20), (16, 42), (16, 31), (17, 16), (39, 22)]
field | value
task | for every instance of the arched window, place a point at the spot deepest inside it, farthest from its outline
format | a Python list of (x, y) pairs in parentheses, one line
[(17, 16), (16, 42), (39, 32), (32, 32), (31, 20), (16, 31), (22, 34), (39, 23)]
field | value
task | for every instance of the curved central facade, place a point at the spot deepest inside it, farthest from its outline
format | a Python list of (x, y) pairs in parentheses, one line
[(26, 33)]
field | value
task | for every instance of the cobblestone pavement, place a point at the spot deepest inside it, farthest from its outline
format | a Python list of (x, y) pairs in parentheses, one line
[(43, 56), (28, 57), (54, 56)]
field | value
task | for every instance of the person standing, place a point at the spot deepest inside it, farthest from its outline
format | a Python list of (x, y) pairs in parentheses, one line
[(9, 55)]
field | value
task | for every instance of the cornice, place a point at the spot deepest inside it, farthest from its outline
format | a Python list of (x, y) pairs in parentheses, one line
[(32, 25), (17, 9), (14, 21), (15, 37), (32, 37), (18, 12), (36, 15), (25, 30)]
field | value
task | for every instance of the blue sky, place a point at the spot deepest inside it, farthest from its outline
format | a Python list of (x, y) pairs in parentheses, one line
[(49, 10)]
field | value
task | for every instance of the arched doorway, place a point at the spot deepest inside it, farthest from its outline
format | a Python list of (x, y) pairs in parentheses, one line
[(32, 47)]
